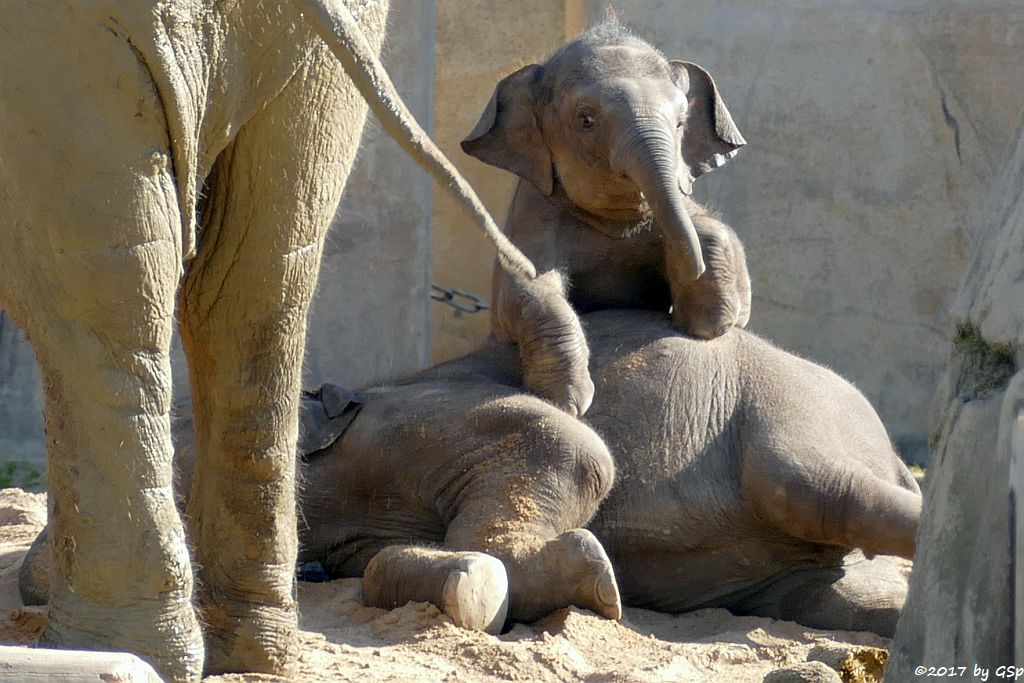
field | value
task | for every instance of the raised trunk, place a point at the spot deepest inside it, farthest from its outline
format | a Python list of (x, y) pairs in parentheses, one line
[(649, 158)]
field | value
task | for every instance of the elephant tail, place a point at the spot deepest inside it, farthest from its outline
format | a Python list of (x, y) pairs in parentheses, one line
[(336, 26)]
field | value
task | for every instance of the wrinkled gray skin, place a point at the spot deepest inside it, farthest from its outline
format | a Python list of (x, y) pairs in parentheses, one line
[(162, 159), (607, 137), (746, 477)]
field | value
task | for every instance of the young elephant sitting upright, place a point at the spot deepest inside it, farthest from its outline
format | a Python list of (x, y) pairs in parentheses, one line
[(607, 137), (746, 477)]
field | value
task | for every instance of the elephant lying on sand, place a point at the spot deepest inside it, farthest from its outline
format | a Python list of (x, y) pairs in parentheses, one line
[(179, 158), (745, 476)]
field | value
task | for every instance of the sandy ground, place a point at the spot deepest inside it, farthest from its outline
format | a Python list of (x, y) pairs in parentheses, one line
[(344, 641)]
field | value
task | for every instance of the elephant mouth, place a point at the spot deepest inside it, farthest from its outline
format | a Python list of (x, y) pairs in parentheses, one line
[(618, 213), (616, 223)]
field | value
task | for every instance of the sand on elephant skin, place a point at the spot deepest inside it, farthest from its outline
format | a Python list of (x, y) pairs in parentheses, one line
[(342, 640)]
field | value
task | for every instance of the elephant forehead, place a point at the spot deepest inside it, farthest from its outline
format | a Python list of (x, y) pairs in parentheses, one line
[(611, 61)]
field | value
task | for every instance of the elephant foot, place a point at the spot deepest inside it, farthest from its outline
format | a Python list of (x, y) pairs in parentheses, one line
[(471, 588), (251, 638), (590, 571), (34, 573), (164, 633), (571, 391), (475, 594), (570, 569)]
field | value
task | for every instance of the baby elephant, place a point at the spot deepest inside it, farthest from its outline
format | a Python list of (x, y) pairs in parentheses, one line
[(607, 137), (746, 479)]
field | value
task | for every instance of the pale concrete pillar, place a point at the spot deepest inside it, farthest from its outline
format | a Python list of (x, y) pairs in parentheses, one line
[(960, 605)]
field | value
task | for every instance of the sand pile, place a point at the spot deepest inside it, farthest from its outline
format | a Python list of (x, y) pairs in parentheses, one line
[(344, 641)]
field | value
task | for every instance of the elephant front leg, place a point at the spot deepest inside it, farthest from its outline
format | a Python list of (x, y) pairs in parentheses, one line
[(471, 588), (537, 316), (543, 482), (720, 298)]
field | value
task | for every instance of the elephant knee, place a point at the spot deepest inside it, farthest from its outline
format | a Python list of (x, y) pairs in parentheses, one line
[(595, 468)]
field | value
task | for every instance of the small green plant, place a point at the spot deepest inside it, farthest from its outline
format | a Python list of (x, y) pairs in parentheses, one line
[(21, 473), (982, 368)]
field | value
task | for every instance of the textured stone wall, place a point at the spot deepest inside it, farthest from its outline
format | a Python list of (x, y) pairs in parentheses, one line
[(370, 319), (873, 129), (960, 606)]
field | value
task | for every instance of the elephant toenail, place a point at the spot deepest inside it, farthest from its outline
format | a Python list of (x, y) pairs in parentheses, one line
[(607, 592)]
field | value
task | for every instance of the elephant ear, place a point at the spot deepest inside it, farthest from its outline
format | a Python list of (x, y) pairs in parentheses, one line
[(711, 137), (324, 415), (507, 134)]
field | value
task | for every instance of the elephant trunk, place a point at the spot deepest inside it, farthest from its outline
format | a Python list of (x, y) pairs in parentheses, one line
[(339, 30), (649, 157)]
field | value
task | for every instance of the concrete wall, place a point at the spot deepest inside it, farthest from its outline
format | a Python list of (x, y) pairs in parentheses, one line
[(370, 319), (21, 402), (873, 129)]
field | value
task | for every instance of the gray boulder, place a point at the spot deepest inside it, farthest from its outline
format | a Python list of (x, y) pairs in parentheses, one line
[(959, 609)]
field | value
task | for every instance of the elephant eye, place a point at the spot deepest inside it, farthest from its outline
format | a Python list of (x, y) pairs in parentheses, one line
[(586, 119)]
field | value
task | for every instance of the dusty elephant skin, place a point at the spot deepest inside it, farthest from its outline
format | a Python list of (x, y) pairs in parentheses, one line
[(607, 137), (745, 477), (162, 153)]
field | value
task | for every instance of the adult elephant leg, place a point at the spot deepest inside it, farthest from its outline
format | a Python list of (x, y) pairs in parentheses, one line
[(92, 256), (271, 196), (119, 568), (544, 480)]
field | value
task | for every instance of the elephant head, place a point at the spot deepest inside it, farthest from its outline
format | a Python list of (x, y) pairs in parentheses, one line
[(616, 127)]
